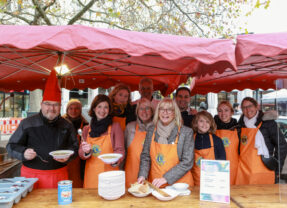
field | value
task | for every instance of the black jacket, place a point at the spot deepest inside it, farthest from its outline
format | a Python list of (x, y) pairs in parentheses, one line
[(272, 135), (37, 133)]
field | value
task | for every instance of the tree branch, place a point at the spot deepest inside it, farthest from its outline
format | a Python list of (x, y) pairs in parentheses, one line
[(41, 12), (18, 17), (183, 12), (105, 22), (78, 16), (38, 15)]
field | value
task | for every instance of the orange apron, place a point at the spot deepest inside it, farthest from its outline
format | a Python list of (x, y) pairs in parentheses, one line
[(74, 167), (207, 154), (163, 158), (231, 142), (251, 169), (121, 121), (133, 157), (47, 178), (94, 165)]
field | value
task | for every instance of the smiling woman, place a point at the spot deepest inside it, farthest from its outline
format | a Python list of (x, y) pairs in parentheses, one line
[(260, 151), (102, 136), (167, 155)]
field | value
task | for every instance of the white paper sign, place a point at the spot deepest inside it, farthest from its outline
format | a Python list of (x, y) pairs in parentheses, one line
[(215, 180)]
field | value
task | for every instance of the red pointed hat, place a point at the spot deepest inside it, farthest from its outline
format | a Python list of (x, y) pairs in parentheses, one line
[(52, 90)]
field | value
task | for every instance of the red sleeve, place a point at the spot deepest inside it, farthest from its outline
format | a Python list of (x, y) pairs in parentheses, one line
[(117, 139)]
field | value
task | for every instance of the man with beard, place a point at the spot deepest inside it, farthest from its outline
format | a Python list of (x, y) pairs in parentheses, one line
[(41, 134), (182, 98), (76, 168)]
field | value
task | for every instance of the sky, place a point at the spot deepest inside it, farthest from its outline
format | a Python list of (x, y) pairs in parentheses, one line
[(273, 19)]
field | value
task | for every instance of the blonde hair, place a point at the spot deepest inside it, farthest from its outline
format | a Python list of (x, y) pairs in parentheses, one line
[(208, 117), (171, 104), (144, 100), (117, 88), (225, 102)]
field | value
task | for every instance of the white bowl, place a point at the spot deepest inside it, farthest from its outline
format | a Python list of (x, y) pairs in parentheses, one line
[(111, 197), (172, 193), (61, 154), (180, 186), (110, 158)]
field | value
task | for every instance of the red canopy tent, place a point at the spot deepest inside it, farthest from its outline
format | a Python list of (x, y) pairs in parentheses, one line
[(261, 60), (103, 57)]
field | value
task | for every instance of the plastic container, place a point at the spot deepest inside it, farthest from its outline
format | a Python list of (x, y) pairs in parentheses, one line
[(13, 189)]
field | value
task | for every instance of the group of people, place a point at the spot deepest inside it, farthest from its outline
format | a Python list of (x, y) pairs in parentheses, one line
[(161, 141)]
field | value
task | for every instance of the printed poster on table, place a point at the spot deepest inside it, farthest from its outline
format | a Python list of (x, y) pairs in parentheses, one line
[(215, 180)]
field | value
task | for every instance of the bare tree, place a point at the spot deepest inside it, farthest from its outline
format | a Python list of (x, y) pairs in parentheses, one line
[(198, 18)]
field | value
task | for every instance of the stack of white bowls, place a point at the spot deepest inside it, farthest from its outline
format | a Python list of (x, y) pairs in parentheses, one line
[(111, 184)]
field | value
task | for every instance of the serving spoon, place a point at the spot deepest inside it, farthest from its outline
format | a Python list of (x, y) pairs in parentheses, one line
[(45, 161)]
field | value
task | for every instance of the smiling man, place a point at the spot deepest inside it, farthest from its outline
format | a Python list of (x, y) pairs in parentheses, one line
[(182, 98), (42, 133)]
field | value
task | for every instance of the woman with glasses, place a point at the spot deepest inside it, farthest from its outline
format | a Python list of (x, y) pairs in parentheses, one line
[(168, 151), (134, 139), (123, 112), (262, 146), (226, 130)]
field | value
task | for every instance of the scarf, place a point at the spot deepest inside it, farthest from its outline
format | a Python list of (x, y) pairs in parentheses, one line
[(118, 109), (259, 139), (144, 126), (100, 127), (164, 131), (228, 126)]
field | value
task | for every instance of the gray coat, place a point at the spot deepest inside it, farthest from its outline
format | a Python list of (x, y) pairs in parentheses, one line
[(185, 153)]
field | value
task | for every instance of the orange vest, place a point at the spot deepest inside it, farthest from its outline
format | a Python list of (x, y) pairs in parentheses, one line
[(74, 167), (121, 121), (207, 154), (251, 169), (133, 157), (231, 142), (163, 158), (94, 165)]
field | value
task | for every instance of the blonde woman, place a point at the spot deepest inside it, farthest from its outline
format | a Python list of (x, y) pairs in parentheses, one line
[(123, 112), (135, 134), (167, 155)]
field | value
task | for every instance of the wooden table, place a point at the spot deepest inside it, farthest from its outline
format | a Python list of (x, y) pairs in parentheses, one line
[(241, 196), (10, 168)]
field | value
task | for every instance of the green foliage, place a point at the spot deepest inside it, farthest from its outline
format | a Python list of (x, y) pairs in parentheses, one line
[(208, 18)]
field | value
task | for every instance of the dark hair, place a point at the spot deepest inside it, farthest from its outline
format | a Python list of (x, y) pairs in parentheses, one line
[(97, 100), (250, 99), (182, 88)]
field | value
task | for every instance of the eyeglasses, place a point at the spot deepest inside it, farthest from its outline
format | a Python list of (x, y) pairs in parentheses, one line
[(247, 107), (52, 105), (145, 109), (167, 110)]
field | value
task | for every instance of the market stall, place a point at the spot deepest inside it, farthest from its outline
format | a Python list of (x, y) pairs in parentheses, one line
[(261, 60), (104, 57)]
